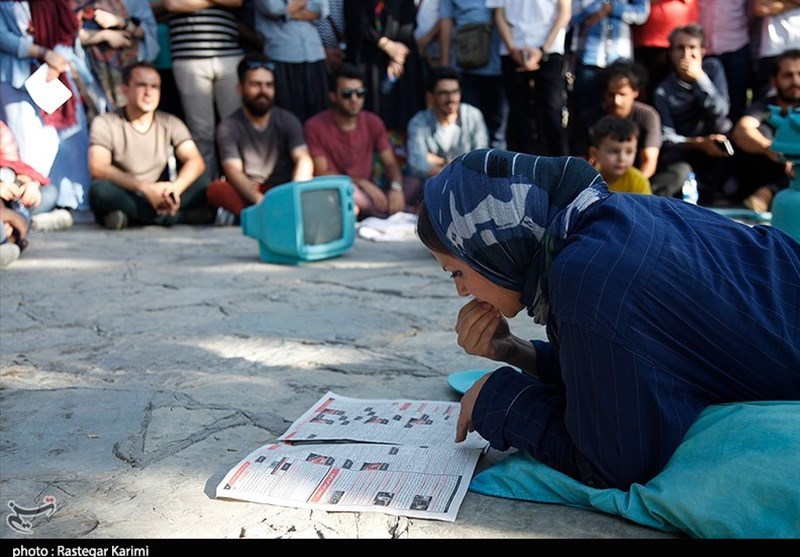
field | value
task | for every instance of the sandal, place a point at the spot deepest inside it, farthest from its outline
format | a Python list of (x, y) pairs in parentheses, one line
[(760, 200)]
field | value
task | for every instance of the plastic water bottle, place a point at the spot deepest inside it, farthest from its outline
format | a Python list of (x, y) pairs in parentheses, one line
[(689, 189), (172, 165), (388, 83), (19, 207)]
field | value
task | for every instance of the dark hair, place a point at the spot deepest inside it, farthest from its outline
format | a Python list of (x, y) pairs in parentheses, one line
[(128, 70), (693, 30), (791, 54), (619, 129), (346, 70), (439, 73), (622, 68), (427, 235), (254, 61)]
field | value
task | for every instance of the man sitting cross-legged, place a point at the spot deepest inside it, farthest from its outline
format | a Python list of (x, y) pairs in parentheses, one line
[(260, 145), (129, 159), (345, 139)]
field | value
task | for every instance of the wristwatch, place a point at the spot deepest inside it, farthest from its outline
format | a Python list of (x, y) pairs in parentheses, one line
[(396, 186), (126, 24)]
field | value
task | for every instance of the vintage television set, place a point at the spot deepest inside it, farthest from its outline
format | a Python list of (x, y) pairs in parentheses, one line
[(303, 221)]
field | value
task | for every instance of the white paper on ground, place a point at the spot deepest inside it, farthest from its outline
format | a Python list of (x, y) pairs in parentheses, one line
[(48, 95), (397, 228)]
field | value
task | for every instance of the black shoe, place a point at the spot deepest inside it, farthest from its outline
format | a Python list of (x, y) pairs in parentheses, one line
[(115, 220)]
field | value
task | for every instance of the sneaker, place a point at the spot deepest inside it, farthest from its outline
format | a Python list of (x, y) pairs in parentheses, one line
[(9, 252), (115, 220), (57, 219), (224, 218)]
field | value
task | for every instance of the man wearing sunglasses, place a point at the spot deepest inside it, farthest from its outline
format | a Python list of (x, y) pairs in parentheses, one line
[(260, 145), (344, 140)]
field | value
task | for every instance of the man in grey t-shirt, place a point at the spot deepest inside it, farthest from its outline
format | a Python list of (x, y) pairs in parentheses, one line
[(130, 156), (260, 145)]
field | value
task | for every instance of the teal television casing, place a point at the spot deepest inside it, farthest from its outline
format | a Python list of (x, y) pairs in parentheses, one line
[(280, 220)]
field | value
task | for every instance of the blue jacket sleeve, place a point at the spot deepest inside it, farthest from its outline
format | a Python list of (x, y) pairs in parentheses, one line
[(632, 12), (713, 89), (614, 420), (148, 46)]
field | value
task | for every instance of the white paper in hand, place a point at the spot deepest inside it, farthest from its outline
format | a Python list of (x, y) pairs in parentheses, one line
[(48, 95)]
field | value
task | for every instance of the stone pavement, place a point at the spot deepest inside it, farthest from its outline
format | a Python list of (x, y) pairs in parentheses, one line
[(137, 367)]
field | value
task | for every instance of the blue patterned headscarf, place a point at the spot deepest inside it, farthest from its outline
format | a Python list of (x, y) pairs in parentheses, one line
[(506, 215)]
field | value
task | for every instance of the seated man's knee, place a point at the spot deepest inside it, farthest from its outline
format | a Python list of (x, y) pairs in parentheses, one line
[(102, 191)]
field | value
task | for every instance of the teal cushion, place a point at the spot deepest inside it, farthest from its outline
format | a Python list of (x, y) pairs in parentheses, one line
[(735, 475)]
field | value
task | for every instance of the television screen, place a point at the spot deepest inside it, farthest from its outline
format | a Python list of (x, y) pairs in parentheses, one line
[(303, 221), (322, 217)]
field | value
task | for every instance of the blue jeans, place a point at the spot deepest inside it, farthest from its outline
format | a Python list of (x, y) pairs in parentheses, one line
[(49, 199)]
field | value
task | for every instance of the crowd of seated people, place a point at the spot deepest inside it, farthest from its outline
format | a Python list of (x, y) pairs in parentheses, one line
[(648, 91)]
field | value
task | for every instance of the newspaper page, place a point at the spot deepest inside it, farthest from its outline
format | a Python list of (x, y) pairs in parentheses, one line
[(343, 454), (359, 477), (418, 423)]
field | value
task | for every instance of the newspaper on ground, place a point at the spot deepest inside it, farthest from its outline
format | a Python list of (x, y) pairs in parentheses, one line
[(392, 456)]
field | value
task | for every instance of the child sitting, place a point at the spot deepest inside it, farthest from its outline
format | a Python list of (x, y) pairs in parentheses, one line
[(613, 150)]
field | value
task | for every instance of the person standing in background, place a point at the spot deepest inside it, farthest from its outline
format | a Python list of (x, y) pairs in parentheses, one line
[(481, 87), (780, 31), (532, 62), (726, 25), (651, 39), (204, 40), (380, 38), (602, 35), (292, 41), (331, 30), (114, 34), (426, 34)]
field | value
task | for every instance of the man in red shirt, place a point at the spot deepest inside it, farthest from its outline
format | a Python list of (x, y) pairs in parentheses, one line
[(344, 140)]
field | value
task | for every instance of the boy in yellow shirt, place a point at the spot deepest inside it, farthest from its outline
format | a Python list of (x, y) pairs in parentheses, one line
[(613, 150)]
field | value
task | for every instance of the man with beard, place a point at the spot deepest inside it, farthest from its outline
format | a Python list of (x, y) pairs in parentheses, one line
[(762, 172), (344, 140), (260, 145), (130, 156), (445, 130)]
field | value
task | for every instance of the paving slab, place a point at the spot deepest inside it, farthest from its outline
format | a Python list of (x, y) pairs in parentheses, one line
[(138, 366)]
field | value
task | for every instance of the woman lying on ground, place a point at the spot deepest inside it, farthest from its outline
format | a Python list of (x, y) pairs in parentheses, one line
[(654, 309)]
